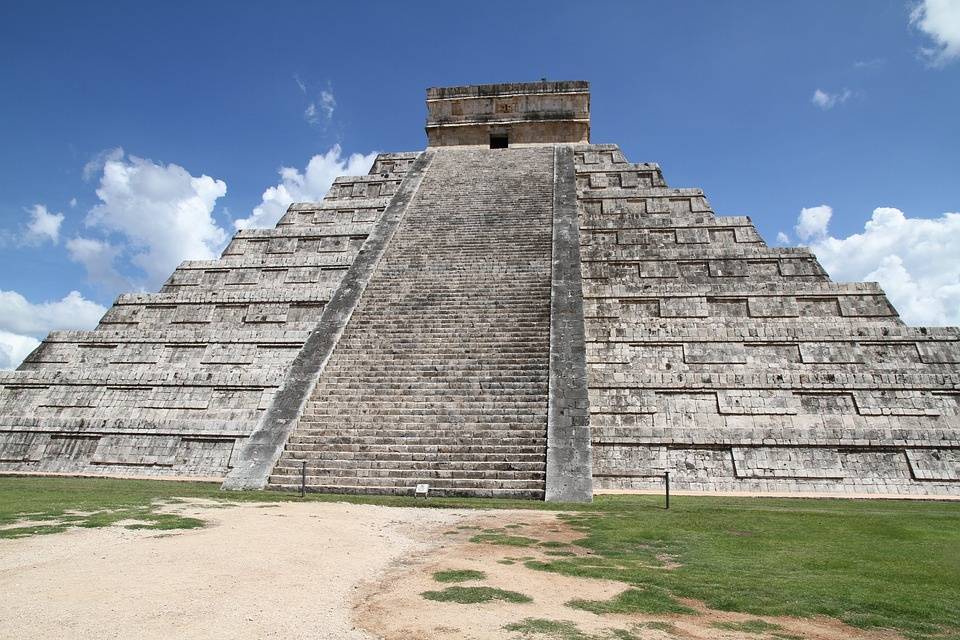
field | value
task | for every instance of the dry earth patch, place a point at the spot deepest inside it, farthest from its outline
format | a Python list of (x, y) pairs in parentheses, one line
[(498, 546)]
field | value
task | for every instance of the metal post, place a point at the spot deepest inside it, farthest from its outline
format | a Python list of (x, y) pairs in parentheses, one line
[(303, 478), (666, 482)]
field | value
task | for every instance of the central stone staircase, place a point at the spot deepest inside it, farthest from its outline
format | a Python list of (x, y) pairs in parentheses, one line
[(441, 375)]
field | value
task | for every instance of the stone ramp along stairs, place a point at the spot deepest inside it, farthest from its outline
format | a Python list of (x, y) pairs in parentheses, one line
[(441, 375), (171, 384)]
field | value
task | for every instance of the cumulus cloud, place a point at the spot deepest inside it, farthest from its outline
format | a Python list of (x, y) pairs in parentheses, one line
[(98, 258), (22, 322), (826, 100), (939, 20), (43, 226), (783, 238), (309, 186), (915, 260), (18, 315), (14, 348), (163, 213), (97, 162), (813, 222)]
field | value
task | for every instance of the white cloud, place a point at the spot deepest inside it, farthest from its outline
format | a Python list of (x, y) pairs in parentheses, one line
[(940, 21), (321, 110), (97, 162), (873, 63), (14, 348), (813, 222), (309, 186), (783, 238), (43, 225), (327, 103), (98, 258), (18, 315), (73, 202), (22, 322), (915, 260), (162, 212), (826, 100)]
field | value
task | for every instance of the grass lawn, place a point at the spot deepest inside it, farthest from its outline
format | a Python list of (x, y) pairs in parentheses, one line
[(870, 563)]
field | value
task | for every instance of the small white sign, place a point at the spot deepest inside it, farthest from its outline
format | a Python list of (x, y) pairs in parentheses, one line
[(422, 490)]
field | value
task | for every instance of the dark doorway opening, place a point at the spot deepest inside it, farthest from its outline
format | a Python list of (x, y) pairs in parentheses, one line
[(499, 141)]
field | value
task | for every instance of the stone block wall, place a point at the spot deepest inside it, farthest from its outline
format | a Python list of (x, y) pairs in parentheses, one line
[(527, 113), (737, 366)]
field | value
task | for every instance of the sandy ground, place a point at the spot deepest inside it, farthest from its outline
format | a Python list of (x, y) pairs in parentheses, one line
[(258, 571), (317, 570)]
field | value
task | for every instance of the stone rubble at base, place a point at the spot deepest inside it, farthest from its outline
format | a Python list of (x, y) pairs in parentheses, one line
[(459, 339)]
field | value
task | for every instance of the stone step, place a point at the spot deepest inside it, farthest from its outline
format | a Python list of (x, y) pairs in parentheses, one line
[(448, 349), (413, 429), (411, 480), (444, 394), (436, 491), (320, 455), (448, 466), (422, 433)]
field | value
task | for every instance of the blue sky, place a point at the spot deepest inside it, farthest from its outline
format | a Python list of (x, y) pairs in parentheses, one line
[(814, 118)]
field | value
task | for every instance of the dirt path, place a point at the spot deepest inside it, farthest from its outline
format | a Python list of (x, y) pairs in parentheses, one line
[(285, 570), (326, 570)]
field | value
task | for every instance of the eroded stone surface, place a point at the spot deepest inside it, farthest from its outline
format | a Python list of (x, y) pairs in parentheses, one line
[(736, 366)]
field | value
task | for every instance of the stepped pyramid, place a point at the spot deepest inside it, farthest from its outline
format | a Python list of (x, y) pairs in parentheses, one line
[(512, 312)]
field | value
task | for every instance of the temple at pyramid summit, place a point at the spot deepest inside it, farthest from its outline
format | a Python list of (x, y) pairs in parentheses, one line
[(513, 311)]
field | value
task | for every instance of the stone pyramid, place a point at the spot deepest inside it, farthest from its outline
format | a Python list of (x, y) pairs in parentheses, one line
[(512, 312)]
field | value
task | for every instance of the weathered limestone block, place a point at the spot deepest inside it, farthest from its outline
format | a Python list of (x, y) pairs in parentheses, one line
[(939, 352), (783, 462), (22, 447), (136, 450), (935, 464)]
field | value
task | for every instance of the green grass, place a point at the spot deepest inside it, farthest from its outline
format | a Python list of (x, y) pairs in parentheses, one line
[(749, 626), (503, 539), (45, 501), (52, 505), (458, 575), (475, 595), (666, 627), (647, 600), (563, 630), (870, 563)]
